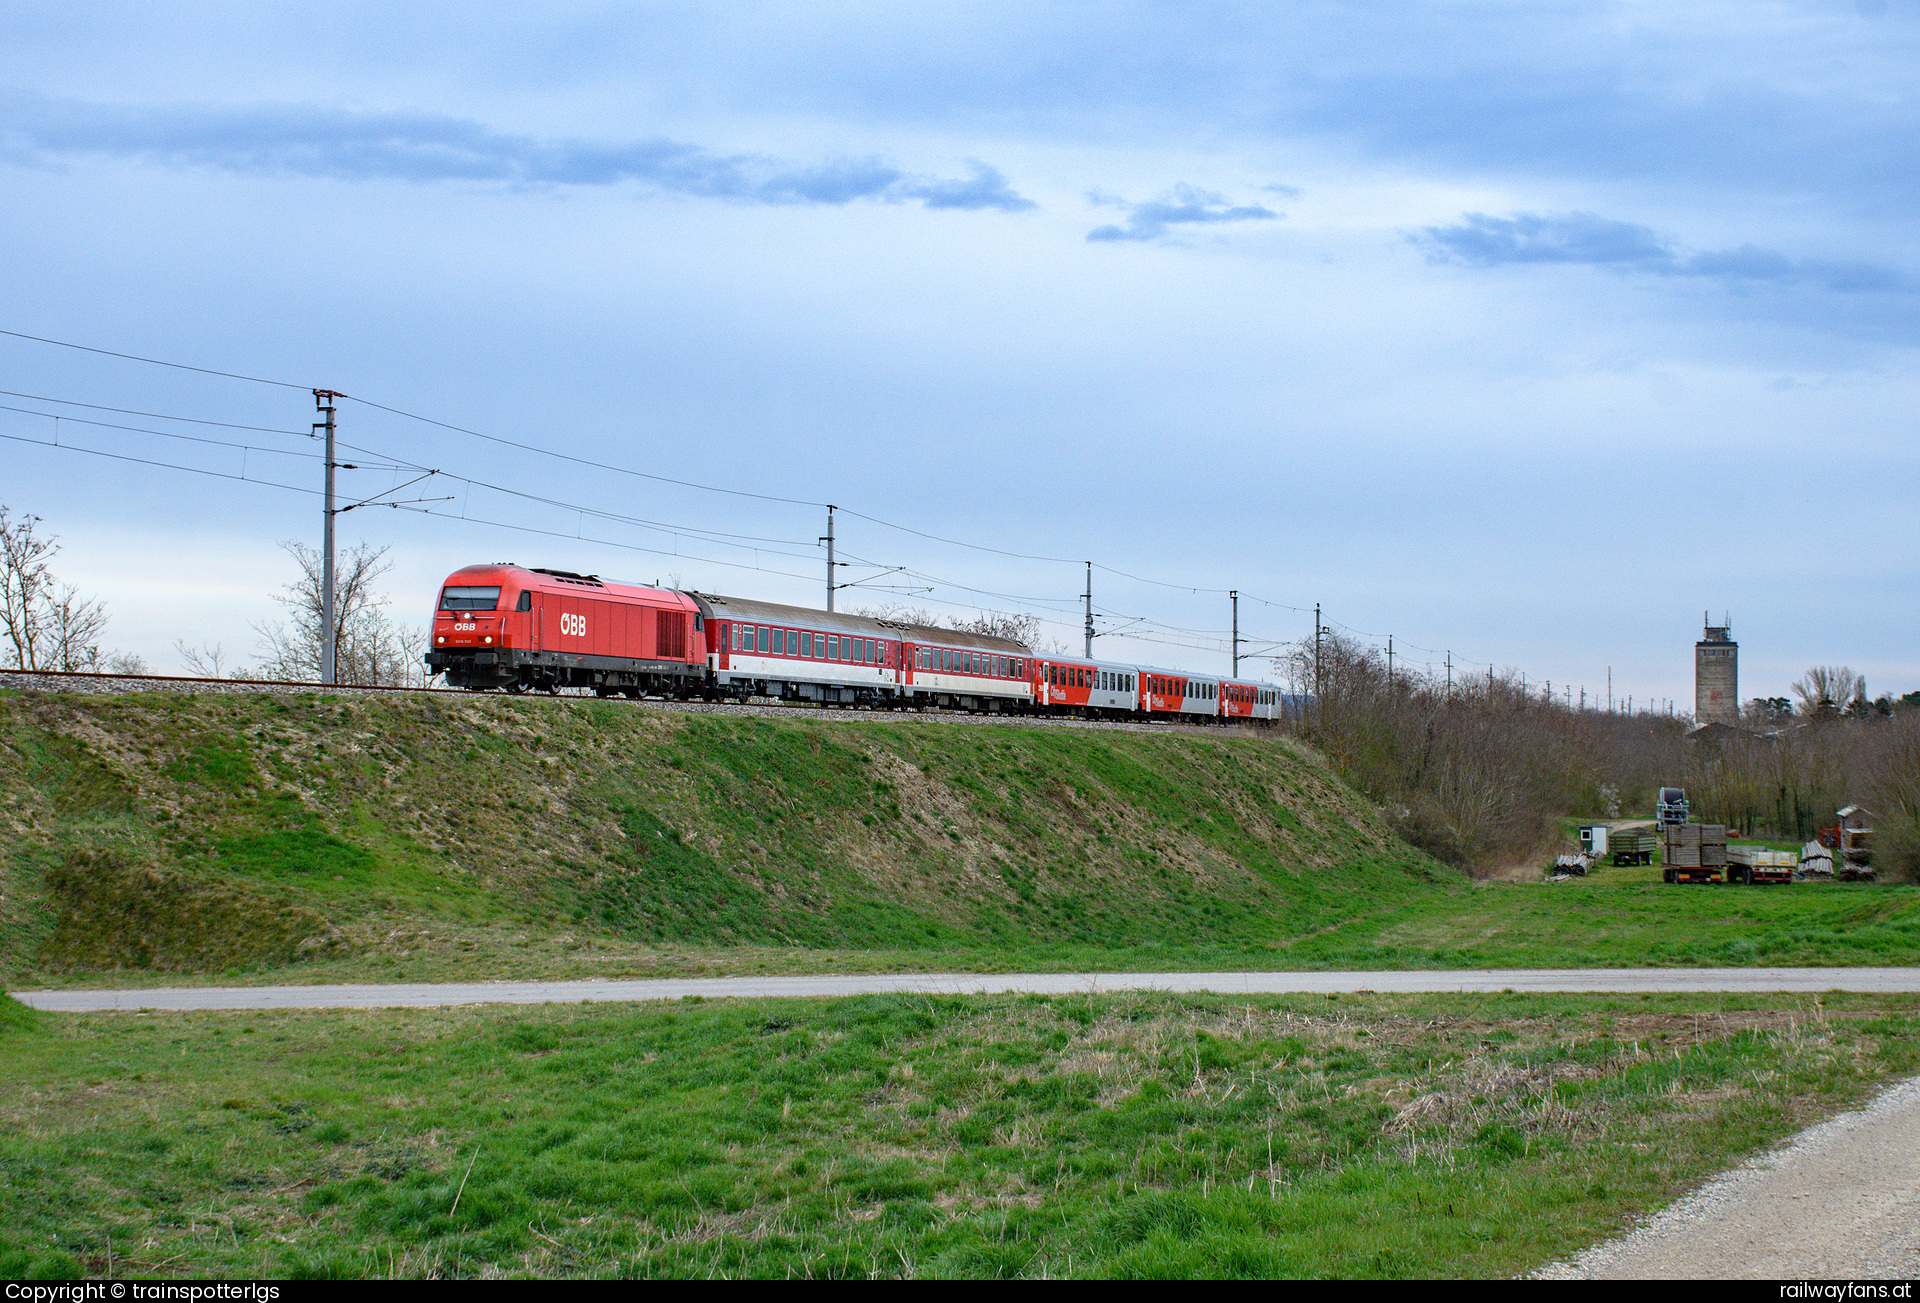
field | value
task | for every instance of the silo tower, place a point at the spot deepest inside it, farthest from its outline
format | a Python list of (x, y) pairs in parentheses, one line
[(1716, 675)]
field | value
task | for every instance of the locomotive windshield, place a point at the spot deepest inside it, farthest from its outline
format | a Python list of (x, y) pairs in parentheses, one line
[(453, 598)]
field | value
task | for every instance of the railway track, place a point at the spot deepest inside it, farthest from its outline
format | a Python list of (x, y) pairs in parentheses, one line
[(93, 684)]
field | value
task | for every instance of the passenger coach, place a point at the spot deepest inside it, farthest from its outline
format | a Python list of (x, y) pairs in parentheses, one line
[(794, 653)]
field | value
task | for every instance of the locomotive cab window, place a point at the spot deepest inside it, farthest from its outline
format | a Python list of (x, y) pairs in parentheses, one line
[(457, 598), (526, 601)]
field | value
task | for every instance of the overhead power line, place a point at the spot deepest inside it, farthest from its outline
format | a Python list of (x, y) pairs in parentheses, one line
[(723, 538), (135, 357)]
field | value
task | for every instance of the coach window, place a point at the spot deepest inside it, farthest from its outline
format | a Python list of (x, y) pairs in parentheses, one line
[(763, 638)]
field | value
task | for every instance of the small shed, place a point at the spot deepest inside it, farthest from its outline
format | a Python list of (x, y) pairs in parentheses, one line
[(1593, 838)]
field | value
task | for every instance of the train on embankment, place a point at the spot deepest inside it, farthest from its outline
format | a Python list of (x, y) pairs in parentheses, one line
[(519, 630)]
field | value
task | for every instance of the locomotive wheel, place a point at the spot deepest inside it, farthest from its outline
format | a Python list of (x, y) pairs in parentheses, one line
[(553, 687), (516, 687)]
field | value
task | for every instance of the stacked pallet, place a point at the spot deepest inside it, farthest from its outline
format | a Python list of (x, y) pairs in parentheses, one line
[(1695, 846)]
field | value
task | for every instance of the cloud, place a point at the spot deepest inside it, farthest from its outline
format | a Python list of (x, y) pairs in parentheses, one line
[(1185, 206), (309, 140), (1480, 240)]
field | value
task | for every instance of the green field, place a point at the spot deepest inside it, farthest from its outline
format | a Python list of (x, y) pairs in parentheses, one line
[(253, 839), (1127, 1135)]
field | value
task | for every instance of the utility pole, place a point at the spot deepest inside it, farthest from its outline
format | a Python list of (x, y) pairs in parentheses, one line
[(1609, 689), (828, 540), (1234, 594), (1389, 665), (1449, 671), (1317, 628), (1089, 610), (323, 401)]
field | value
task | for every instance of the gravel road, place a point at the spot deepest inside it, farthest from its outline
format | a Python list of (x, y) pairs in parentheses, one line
[(424, 995), (1840, 1201)]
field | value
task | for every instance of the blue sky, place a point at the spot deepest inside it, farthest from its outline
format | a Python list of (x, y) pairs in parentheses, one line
[(1523, 331)]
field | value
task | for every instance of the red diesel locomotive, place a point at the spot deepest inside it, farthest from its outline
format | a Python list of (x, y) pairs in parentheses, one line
[(500, 626)]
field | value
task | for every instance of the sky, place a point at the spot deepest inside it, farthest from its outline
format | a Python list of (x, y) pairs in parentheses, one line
[(1525, 333)]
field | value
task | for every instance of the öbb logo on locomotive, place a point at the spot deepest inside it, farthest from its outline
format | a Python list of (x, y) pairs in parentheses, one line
[(692, 645)]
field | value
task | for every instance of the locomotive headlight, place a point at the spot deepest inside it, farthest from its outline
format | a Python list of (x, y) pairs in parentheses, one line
[(489, 638), (441, 638)]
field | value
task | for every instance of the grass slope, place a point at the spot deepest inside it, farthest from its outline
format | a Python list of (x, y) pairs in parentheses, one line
[(433, 839), (417, 831)]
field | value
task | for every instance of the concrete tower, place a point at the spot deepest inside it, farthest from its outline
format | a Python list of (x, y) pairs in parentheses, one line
[(1716, 675)]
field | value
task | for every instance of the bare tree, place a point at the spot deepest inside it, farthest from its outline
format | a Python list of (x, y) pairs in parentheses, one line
[(74, 631), (897, 611), (1825, 690), (24, 587), (202, 662), (369, 646), (1018, 627), (48, 624)]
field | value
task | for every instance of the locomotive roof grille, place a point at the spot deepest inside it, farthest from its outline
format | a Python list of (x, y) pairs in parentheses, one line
[(568, 577)]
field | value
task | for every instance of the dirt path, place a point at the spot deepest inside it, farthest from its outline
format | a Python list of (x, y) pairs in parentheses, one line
[(1840, 1201)]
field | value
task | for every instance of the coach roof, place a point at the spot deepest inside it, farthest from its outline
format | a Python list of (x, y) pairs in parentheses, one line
[(749, 610)]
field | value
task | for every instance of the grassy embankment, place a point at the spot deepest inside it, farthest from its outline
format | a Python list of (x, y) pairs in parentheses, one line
[(269, 838), (1145, 1135)]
